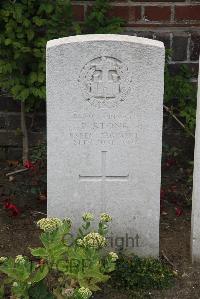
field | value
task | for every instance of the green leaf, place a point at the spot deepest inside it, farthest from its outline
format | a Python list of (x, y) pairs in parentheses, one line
[(46, 239), (33, 77), (41, 77), (30, 34), (8, 41), (18, 12), (26, 23), (23, 94), (39, 252), (7, 267), (38, 21), (40, 274), (25, 49), (62, 266), (47, 7), (58, 250)]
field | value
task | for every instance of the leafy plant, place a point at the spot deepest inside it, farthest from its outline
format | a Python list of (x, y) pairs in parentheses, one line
[(97, 21), (39, 153), (134, 273), (180, 94), (26, 26), (21, 274), (68, 267)]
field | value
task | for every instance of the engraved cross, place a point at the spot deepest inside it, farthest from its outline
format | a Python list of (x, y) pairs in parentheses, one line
[(103, 177)]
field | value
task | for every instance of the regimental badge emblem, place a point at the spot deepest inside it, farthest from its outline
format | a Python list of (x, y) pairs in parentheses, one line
[(105, 82)]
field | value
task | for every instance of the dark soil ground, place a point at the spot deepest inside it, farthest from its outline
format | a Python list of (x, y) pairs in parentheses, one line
[(19, 233)]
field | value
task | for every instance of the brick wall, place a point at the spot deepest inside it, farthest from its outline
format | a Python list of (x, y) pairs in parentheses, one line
[(176, 23)]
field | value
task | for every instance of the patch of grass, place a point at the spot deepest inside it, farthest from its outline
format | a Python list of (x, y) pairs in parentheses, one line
[(134, 273)]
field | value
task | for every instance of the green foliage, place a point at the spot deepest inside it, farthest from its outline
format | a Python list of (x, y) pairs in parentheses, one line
[(67, 265), (180, 94), (134, 273), (21, 275), (25, 28), (99, 22), (39, 153)]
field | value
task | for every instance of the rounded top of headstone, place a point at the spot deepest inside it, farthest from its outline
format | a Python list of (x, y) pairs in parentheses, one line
[(104, 38)]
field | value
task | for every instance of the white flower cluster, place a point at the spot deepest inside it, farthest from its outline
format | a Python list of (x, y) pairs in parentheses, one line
[(88, 217), (3, 259), (94, 240), (15, 284), (19, 259), (85, 293), (113, 256), (49, 224), (105, 218)]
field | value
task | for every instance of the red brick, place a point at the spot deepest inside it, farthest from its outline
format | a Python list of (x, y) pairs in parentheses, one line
[(191, 12), (119, 11), (128, 13), (135, 13), (158, 13), (78, 12)]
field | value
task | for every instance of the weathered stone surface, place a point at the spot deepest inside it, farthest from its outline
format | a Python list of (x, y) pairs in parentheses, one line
[(104, 128), (195, 235)]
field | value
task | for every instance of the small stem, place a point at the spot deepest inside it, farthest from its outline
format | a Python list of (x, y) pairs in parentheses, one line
[(17, 171), (167, 259), (178, 121)]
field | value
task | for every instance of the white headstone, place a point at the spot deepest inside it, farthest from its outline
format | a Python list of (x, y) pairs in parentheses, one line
[(104, 104), (195, 233)]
